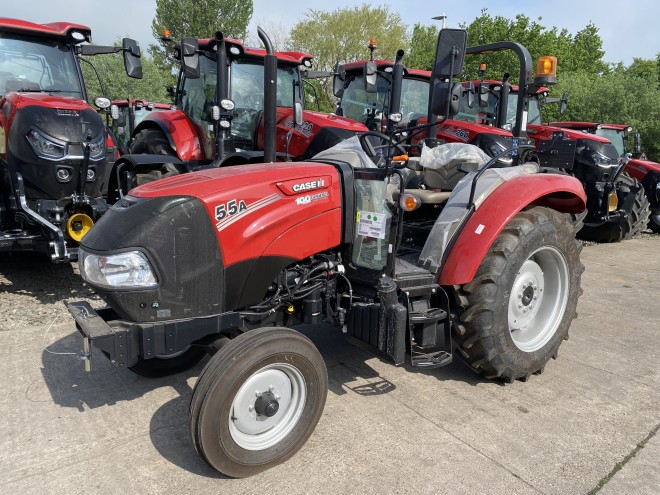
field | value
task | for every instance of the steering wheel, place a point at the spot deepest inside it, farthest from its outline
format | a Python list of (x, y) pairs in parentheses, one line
[(372, 149)]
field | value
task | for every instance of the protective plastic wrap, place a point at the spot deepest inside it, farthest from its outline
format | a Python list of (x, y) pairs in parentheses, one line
[(457, 207), (349, 150), (446, 154)]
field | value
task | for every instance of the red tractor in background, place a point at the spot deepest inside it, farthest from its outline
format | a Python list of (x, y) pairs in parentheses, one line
[(55, 156), (220, 120), (224, 260), (645, 171), (371, 103), (125, 115)]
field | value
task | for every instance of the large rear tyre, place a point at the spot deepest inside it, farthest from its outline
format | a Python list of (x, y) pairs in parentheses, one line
[(169, 365), (517, 310), (623, 229), (154, 142), (257, 401)]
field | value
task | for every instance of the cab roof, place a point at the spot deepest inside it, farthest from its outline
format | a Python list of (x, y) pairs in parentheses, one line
[(292, 58), (383, 64), (50, 30)]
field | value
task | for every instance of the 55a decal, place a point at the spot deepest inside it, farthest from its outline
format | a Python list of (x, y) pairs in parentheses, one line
[(232, 207)]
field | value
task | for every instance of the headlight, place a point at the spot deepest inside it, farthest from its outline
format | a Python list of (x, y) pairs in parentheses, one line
[(45, 147), (602, 160), (97, 148), (497, 148), (121, 271)]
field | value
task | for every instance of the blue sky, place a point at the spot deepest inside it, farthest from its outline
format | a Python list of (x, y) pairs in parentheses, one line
[(628, 29)]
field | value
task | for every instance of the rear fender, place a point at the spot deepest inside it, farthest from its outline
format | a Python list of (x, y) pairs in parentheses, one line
[(559, 192), (181, 133)]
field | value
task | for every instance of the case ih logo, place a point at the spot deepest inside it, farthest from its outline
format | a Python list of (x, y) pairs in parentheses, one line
[(65, 112), (308, 186)]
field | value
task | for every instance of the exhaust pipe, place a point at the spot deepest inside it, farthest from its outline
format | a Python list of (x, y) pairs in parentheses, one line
[(270, 97)]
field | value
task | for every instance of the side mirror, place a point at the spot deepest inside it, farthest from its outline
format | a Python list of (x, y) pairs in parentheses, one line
[(450, 53), (190, 58), (483, 95), (338, 81), (638, 143), (563, 103), (370, 77), (449, 59), (297, 113), (470, 94), (446, 98), (132, 62)]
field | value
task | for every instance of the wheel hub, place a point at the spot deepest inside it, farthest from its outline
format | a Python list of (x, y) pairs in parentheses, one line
[(538, 299), (267, 406)]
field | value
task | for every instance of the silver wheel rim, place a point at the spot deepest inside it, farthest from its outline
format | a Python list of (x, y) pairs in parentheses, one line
[(253, 431), (538, 299)]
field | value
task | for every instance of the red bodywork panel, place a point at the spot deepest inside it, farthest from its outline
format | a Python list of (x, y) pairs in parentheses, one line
[(559, 192), (185, 134), (543, 131), (305, 133), (639, 168), (258, 210)]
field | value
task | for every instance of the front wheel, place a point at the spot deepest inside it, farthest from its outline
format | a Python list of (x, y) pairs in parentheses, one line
[(518, 308), (153, 141), (257, 401)]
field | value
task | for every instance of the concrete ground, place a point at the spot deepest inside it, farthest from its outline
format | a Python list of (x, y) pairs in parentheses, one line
[(588, 424)]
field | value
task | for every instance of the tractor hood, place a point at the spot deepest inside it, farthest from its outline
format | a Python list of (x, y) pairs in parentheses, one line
[(215, 240)]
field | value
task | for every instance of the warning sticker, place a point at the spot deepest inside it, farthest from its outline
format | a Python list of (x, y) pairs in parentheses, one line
[(371, 224)]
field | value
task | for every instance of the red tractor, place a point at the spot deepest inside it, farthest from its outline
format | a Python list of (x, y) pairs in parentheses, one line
[(54, 156), (645, 171), (219, 121), (225, 260), (371, 103), (125, 115)]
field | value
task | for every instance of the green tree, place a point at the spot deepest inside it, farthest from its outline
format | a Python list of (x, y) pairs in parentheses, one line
[(342, 36), (118, 85), (623, 95), (197, 19), (582, 51), (422, 47)]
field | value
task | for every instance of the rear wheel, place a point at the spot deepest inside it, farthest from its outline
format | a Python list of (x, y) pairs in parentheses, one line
[(257, 401), (624, 229), (518, 308), (154, 142)]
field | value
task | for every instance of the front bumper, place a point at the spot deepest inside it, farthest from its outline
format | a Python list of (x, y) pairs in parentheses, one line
[(124, 343)]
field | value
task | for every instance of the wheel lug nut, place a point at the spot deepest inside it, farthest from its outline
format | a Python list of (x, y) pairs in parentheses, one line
[(520, 295), (251, 408), (520, 305), (271, 388)]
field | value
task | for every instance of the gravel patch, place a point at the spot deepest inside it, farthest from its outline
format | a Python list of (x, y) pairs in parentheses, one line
[(33, 291)]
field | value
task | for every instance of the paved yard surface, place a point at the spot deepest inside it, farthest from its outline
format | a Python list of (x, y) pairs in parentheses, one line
[(589, 424)]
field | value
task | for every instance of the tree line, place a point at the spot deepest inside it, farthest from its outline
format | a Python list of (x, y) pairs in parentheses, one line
[(598, 91)]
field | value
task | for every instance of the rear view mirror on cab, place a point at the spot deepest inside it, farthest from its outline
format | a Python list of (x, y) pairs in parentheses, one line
[(132, 62), (370, 77), (190, 58), (338, 81), (449, 58)]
